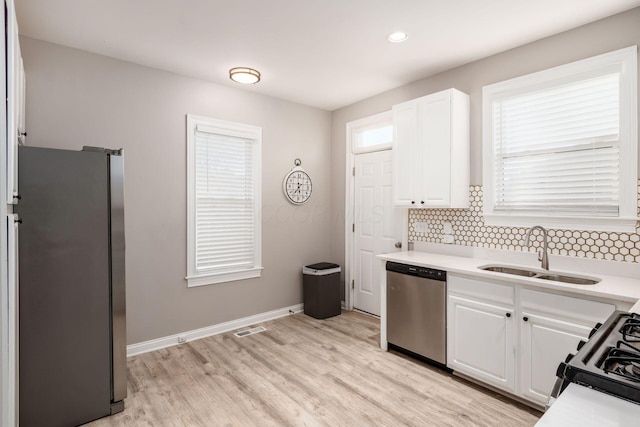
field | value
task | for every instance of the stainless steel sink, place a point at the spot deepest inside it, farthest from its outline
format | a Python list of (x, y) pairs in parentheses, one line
[(509, 270), (568, 279), (544, 275)]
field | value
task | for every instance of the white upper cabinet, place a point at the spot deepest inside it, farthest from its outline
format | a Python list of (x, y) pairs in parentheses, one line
[(405, 174), (431, 151), (15, 101)]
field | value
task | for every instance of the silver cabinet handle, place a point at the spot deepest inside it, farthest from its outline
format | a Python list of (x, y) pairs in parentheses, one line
[(398, 245)]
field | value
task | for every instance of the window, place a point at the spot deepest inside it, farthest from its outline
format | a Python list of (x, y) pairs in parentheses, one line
[(224, 199), (560, 146), (373, 133)]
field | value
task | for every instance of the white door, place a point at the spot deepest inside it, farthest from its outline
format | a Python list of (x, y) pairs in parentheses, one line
[(377, 226), (481, 341)]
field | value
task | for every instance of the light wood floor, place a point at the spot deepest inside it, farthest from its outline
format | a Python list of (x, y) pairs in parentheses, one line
[(304, 372)]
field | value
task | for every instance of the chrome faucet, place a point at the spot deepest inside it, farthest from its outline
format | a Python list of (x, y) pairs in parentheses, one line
[(543, 255)]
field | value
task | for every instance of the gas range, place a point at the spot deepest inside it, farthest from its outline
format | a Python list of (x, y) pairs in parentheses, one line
[(609, 361)]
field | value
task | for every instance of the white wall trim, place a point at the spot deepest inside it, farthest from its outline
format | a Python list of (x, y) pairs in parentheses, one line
[(349, 214), (621, 225), (226, 128), (210, 279), (207, 331), (349, 217)]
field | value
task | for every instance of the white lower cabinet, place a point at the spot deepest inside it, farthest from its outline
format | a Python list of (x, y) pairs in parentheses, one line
[(544, 343), (514, 338), (483, 343), (551, 326)]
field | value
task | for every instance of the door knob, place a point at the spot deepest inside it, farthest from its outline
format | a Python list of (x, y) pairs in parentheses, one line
[(398, 245)]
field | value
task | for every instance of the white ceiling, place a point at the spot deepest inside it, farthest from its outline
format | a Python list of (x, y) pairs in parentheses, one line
[(323, 53)]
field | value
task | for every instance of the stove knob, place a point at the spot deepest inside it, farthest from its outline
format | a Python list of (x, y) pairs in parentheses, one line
[(568, 358), (595, 328), (581, 344), (560, 371)]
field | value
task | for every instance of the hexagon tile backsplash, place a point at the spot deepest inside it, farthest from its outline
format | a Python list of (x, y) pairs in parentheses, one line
[(469, 230)]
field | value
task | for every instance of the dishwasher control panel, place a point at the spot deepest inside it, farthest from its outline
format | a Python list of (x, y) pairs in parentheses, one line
[(412, 270)]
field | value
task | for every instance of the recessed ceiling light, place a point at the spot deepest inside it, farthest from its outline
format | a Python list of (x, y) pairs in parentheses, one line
[(244, 75), (397, 37)]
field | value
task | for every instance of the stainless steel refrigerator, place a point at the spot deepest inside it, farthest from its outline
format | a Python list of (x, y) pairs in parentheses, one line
[(72, 333)]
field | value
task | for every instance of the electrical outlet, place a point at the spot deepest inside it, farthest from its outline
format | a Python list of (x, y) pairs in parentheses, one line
[(447, 238), (447, 228), (182, 340), (421, 227)]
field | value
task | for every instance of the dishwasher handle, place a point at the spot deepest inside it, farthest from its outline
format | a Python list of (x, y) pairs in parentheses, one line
[(412, 270)]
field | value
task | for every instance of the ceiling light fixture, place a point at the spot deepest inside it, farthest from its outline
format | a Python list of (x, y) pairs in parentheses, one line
[(397, 37), (244, 75)]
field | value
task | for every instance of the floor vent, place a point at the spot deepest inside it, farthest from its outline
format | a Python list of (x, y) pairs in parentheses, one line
[(251, 331)]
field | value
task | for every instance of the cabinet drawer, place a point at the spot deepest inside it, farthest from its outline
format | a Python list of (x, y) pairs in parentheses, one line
[(585, 311), (478, 289)]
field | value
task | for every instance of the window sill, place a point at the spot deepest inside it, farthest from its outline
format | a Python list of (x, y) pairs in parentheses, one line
[(620, 225), (211, 279)]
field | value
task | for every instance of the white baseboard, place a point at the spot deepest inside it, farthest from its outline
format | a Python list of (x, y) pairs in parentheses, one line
[(171, 340)]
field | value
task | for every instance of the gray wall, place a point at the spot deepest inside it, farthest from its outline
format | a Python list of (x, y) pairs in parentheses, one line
[(76, 98), (602, 36)]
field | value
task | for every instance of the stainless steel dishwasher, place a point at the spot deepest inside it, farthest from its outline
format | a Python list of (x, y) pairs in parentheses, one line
[(416, 310)]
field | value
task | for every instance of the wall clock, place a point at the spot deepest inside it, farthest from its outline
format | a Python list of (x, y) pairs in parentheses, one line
[(297, 185)]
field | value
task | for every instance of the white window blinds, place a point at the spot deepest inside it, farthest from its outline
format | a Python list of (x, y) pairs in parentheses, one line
[(225, 231), (560, 146), (557, 149), (224, 201)]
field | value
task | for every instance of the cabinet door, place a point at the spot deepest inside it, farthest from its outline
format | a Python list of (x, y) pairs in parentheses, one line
[(405, 153), (545, 342), (435, 139), (481, 341), (554, 326), (13, 101)]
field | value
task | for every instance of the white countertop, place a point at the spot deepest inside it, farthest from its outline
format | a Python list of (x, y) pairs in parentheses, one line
[(610, 287), (583, 407)]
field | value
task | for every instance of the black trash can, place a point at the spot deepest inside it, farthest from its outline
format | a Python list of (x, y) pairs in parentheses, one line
[(321, 290)]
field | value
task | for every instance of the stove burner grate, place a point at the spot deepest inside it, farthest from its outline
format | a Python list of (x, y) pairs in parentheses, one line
[(631, 330), (624, 363), (629, 346), (633, 369)]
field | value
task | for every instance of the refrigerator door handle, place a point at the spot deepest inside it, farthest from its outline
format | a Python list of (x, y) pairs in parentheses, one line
[(118, 279)]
